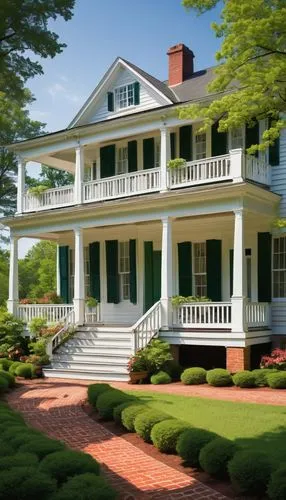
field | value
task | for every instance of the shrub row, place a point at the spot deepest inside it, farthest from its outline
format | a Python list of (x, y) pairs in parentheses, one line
[(249, 472), (33, 466)]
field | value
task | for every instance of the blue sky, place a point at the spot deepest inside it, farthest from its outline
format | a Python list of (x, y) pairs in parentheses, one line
[(140, 31)]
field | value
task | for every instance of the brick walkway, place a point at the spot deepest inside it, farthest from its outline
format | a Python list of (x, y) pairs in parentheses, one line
[(54, 407)]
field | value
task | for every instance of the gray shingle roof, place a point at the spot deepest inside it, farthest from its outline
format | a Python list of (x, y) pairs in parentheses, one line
[(195, 87)]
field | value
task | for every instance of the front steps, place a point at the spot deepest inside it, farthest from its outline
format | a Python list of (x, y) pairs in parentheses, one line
[(94, 353)]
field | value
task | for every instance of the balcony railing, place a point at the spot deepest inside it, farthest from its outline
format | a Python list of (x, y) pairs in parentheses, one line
[(205, 171), (52, 313), (203, 315)]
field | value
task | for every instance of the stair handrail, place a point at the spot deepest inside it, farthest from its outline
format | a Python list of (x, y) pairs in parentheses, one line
[(147, 327), (57, 339)]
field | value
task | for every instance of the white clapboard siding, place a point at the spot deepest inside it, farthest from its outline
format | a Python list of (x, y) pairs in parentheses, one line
[(278, 317), (278, 175)]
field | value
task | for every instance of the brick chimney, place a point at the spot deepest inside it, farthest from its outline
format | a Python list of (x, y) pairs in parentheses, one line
[(181, 64)]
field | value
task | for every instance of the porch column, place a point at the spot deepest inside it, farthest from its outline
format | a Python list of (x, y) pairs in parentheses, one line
[(13, 298), (79, 174), (237, 167), (58, 272), (79, 285), (164, 157), (239, 283), (166, 273), (20, 185)]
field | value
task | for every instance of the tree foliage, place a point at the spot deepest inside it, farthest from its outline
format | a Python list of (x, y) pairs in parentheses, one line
[(4, 276), (250, 80), (37, 271)]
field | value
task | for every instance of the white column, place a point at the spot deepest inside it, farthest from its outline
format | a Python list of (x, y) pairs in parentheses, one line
[(58, 272), (239, 282), (79, 174), (21, 185), (13, 298), (166, 273), (79, 286), (237, 165), (164, 157)]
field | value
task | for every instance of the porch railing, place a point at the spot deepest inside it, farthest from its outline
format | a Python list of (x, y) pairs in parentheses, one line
[(52, 313), (201, 172), (257, 170), (257, 314), (147, 327), (58, 338), (51, 198), (203, 315), (142, 181), (92, 314)]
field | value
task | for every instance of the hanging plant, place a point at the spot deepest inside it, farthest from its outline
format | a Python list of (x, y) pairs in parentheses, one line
[(37, 191), (176, 163), (91, 302), (178, 300)]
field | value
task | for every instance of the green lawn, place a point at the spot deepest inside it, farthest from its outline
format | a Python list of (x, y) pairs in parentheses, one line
[(259, 427)]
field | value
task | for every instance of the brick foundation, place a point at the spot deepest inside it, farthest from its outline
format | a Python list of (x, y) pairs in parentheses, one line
[(237, 359)]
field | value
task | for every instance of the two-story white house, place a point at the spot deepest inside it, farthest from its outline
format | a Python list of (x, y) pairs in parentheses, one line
[(133, 233)]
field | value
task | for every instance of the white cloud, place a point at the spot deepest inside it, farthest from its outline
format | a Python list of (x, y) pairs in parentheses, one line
[(57, 89)]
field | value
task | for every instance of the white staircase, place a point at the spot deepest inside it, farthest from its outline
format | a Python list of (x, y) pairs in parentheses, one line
[(94, 353)]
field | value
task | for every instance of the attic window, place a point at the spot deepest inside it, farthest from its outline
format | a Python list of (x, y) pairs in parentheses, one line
[(124, 97)]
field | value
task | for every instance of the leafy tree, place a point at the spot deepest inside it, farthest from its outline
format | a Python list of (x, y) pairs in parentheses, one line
[(4, 276), (37, 271), (50, 177), (250, 80)]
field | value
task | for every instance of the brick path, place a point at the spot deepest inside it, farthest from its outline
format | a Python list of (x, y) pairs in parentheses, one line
[(54, 407)]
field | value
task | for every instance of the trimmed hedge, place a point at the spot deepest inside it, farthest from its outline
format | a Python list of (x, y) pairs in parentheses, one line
[(261, 375), (86, 487), (10, 378), (244, 379), (5, 449), (129, 414), (145, 421), (24, 370), (42, 447), (25, 483), (249, 472), (174, 369), (194, 376), (191, 442), (5, 363), (117, 412), (277, 380), (94, 390), (108, 400), (13, 366), (160, 378), (165, 434), (4, 384), (277, 486), (219, 377), (62, 465), (18, 460), (215, 455)]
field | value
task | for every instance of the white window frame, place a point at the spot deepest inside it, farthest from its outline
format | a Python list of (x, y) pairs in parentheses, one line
[(196, 128), (198, 155), (231, 143), (199, 273), (121, 171), (124, 270), (157, 151), (117, 101), (278, 269)]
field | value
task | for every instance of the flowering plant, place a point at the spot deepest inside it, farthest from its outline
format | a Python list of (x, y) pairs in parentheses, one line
[(138, 362), (277, 359)]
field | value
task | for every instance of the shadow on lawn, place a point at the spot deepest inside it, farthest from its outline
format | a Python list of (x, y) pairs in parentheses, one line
[(272, 443)]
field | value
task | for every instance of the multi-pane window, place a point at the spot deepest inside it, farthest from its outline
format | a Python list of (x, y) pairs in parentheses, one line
[(236, 138), (124, 270), (124, 96), (86, 272), (279, 267), (157, 152), (200, 269), (122, 160), (200, 145)]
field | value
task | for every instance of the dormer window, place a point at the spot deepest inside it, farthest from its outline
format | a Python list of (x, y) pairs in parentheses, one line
[(124, 97)]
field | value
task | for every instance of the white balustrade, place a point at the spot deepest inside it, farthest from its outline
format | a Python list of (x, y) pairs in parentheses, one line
[(52, 313), (51, 198), (92, 314), (257, 314), (201, 172), (57, 339), (147, 327), (203, 315), (257, 170), (142, 181)]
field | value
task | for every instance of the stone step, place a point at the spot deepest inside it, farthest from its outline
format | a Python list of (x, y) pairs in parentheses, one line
[(85, 374), (104, 335), (112, 367), (69, 348), (111, 343), (95, 359)]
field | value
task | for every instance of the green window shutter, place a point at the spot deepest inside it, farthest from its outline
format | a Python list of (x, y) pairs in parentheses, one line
[(107, 161), (173, 145), (219, 141), (148, 275), (156, 275), (264, 267), (136, 93), (64, 273), (231, 272), (132, 156), (214, 270), (112, 275), (94, 262), (110, 101), (185, 268), (252, 136), (133, 277), (148, 153), (186, 142), (274, 151)]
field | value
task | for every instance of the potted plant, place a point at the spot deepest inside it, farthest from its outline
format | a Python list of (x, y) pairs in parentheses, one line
[(176, 163), (137, 367), (37, 191), (91, 304)]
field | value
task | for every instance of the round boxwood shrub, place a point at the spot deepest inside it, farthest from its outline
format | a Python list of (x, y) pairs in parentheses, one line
[(165, 434), (249, 472), (5, 363), (244, 379), (86, 487), (41, 447), (4, 384), (5, 449), (65, 464), (219, 377), (277, 380), (173, 368), (145, 421), (129, 414), (10, 378), (25, 483), (24, 370), (117, 412), (191, 442), (13, 366), (107, 401), (277, 486), (194, 376), (215, 455), (18, 460), (94, 390), (24, 437), (261, 375), (160, 378)]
